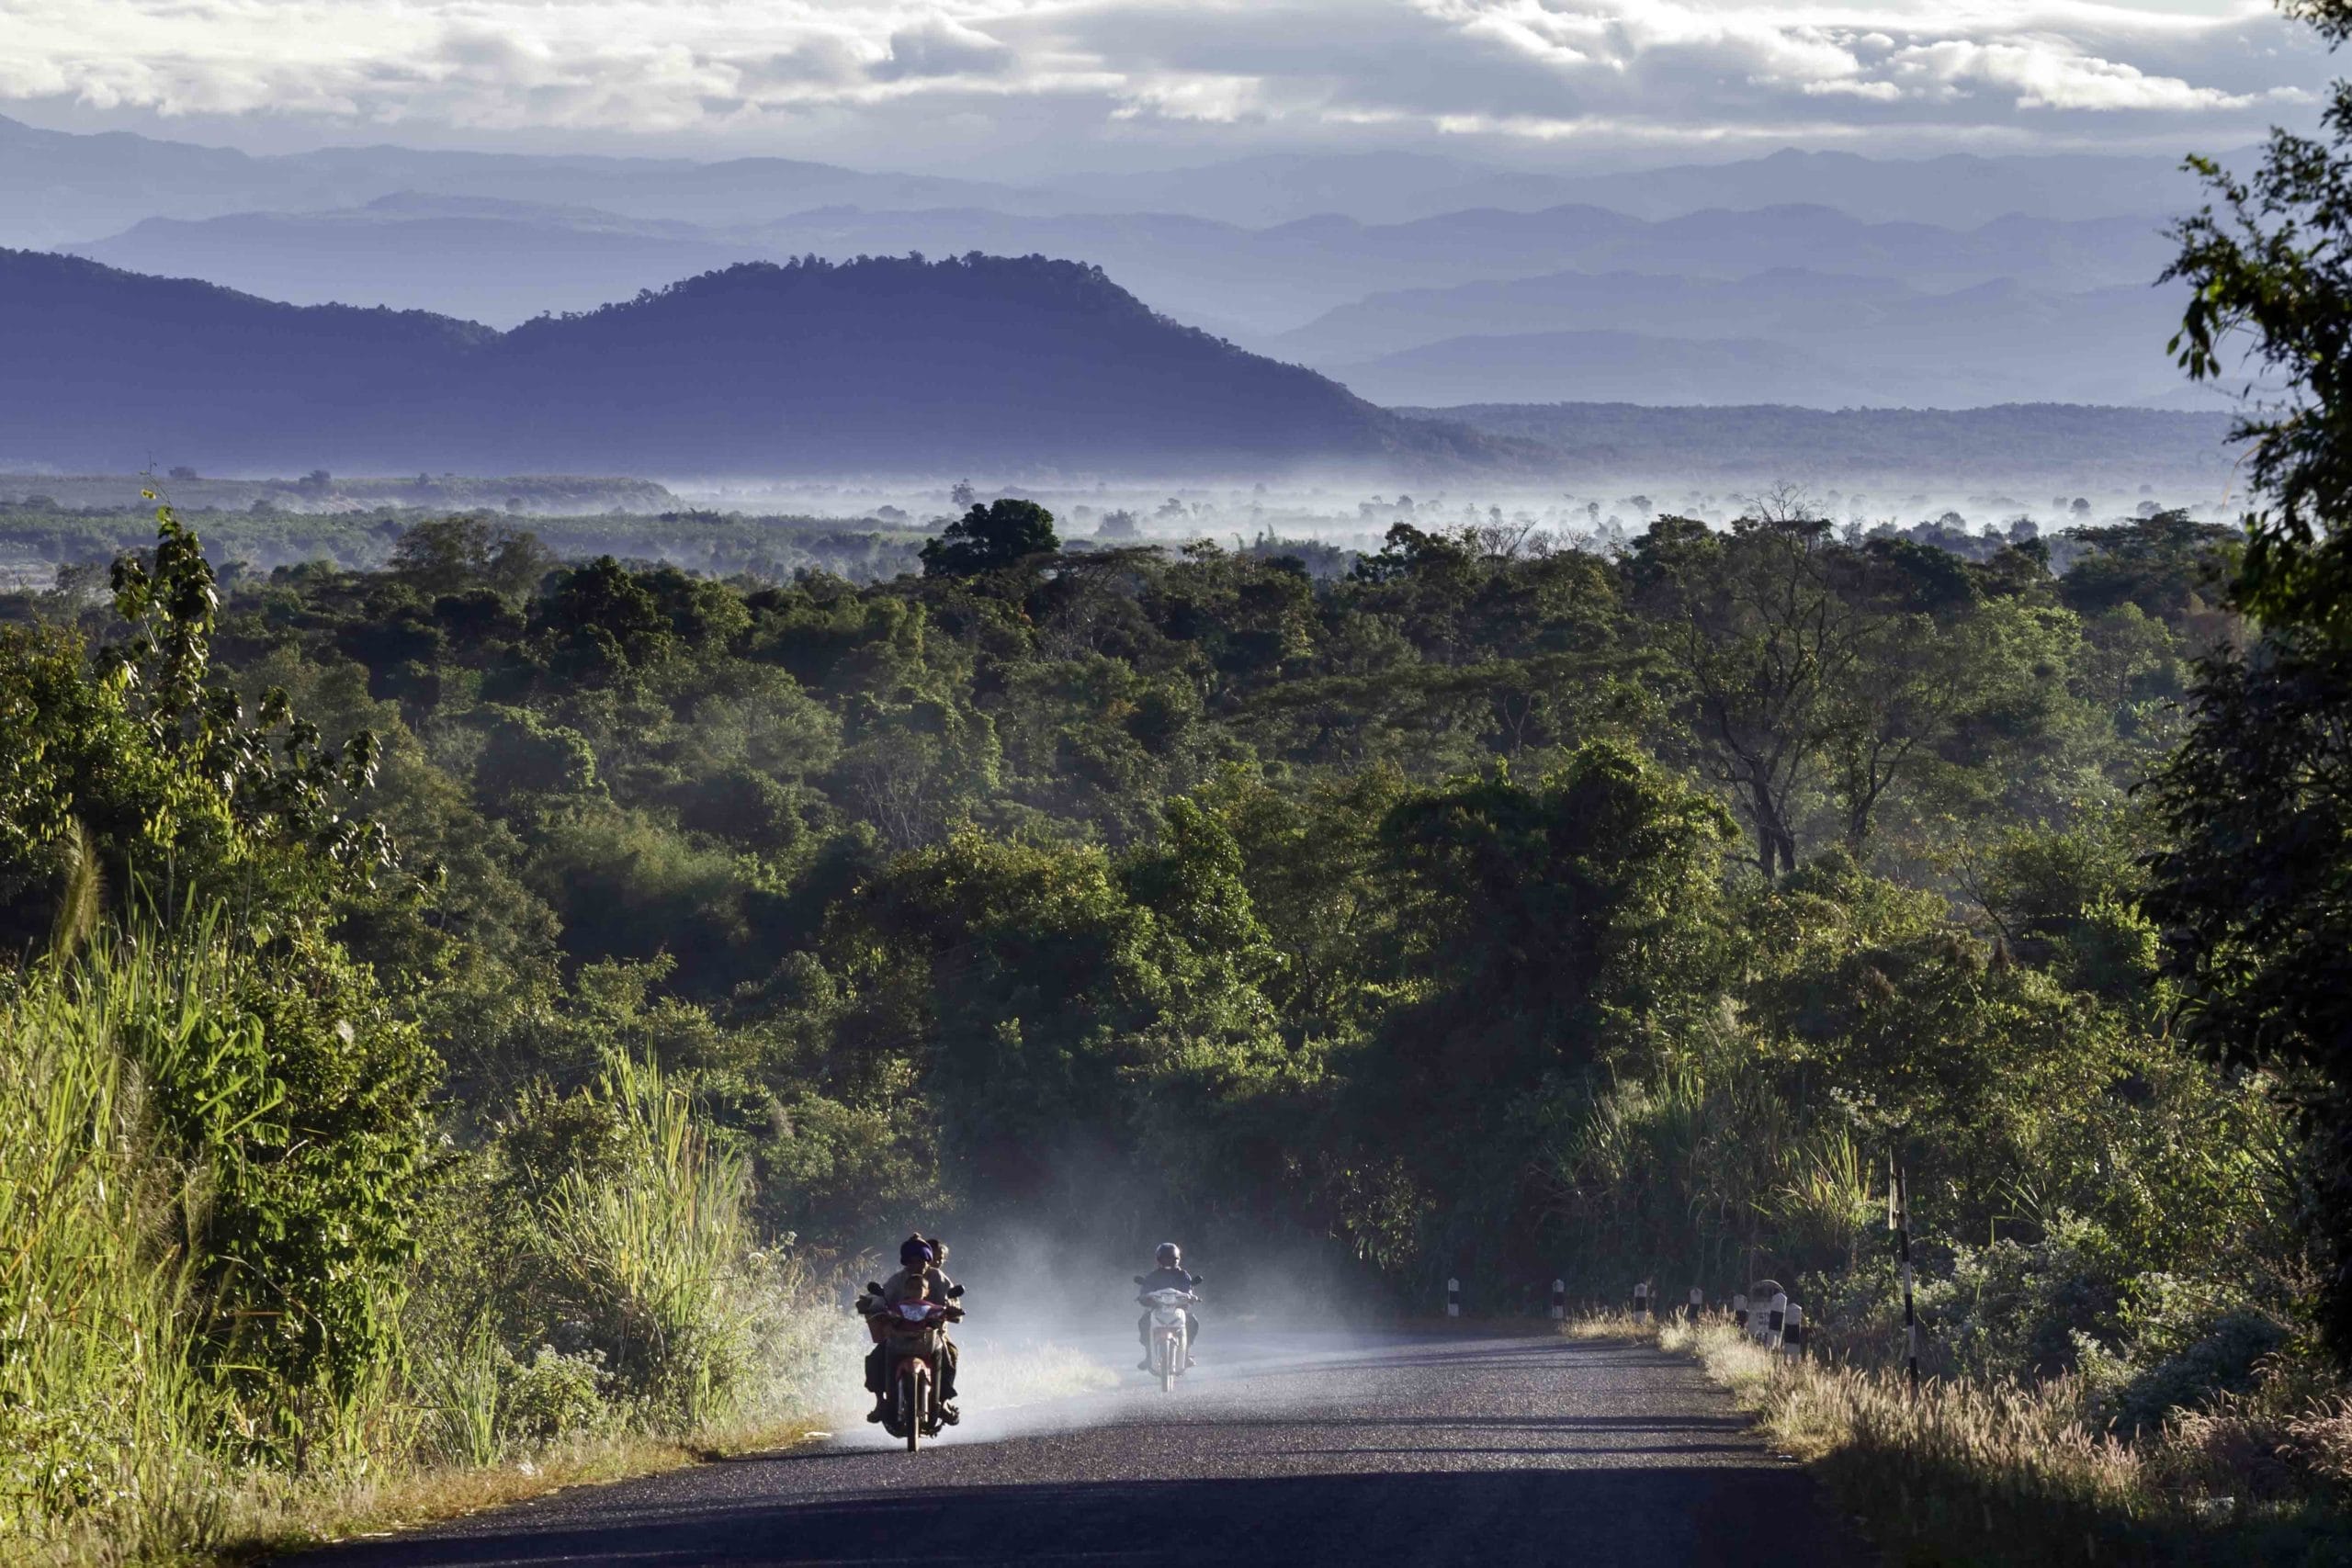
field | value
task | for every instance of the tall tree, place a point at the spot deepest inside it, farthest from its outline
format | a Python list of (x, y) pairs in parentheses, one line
[(986, 538), (1755, 626), (2256, 885)]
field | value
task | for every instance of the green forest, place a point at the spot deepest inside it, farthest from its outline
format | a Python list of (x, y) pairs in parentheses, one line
[(521, 984)]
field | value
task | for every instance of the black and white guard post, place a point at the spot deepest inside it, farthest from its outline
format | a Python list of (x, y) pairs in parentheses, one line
[(1793, 1336), (1739, 1309), (1697, 1302), (1559, 1301), (1640, 1299), (1778, 1322), (1452, 1298)]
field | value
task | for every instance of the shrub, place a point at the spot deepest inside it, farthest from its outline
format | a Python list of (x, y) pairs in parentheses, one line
[(2014, 1309), (553, 1396)]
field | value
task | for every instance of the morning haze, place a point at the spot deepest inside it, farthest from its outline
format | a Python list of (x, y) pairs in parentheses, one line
[(1294, 782)]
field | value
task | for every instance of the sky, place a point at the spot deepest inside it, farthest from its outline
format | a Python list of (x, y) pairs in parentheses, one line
[(1035, 88)]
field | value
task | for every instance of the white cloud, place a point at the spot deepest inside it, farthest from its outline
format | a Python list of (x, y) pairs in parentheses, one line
[(2001, 58), (732, 70), (2046, 75), (1207, 98)]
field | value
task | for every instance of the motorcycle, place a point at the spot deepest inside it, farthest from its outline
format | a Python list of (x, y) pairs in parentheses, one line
[(914, 1336), (1170, 1346)]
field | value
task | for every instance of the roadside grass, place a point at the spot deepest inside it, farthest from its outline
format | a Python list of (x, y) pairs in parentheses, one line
[(2005, 1472), (117, 1449), (274, 1514), (198, 1511)]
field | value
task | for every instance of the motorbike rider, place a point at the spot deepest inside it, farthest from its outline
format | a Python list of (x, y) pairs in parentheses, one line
[(1167, 1274), (919, 1278)]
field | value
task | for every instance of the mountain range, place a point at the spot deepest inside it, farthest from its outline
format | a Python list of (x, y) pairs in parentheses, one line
[(64, 186), (1960, 189), (1253, 285), (60, 186), (1822, 278), (1783, 336), (879, 365)]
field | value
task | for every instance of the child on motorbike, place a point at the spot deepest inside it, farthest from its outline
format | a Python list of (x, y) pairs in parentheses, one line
[(1167, 1274)]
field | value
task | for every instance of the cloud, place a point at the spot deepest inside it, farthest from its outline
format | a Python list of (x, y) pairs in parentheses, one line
[(960, 76), (2046, 77), (941, 46), (1945, 64)]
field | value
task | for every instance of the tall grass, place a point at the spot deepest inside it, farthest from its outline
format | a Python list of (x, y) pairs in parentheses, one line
[(655, 1248), (102, 1414), (1681, 1176), (118, 1446)]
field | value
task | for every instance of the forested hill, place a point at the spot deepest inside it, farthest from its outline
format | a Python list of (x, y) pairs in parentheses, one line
[(895, 364)]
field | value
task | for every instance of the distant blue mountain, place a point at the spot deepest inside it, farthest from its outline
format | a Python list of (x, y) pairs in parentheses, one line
[(884, 365), (57, 188), (1634, 367), (1655, 338), (500, 262), (60, 188), (480, 256)]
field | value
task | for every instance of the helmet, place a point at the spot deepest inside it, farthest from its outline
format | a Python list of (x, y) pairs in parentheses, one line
[(1170, 1254), (914, 1251)]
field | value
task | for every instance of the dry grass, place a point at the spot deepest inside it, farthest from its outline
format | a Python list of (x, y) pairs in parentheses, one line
[(2003, 1473), (1607, 1324), (275, 1516), (285, 1516)]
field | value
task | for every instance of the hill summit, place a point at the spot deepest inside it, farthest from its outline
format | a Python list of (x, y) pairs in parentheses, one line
[(759, 369)]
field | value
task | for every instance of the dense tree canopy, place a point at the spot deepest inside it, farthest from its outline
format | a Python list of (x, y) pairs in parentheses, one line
[(1011, 883), (986, 538)]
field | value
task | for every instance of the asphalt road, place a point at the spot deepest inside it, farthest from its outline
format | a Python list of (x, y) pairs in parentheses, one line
[(1281, 1450)]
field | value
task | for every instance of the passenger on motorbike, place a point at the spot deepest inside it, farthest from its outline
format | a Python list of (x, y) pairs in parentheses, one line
[(918, 1257), (1167, 1274), (919, 1278)]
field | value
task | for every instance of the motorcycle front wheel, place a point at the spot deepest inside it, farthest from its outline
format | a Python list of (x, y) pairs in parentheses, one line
[(912, 1402)]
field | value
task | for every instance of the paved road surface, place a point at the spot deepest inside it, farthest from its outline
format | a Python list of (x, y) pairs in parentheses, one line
[(1289, 1449)]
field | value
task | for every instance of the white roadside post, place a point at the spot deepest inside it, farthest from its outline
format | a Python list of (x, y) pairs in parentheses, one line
[(1559, 1301), (1452, 1298), (1762, 1326), (1739, 1309), (1793, 1337), (1780, 1317), (1640, 1299), (1698, 1303)]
